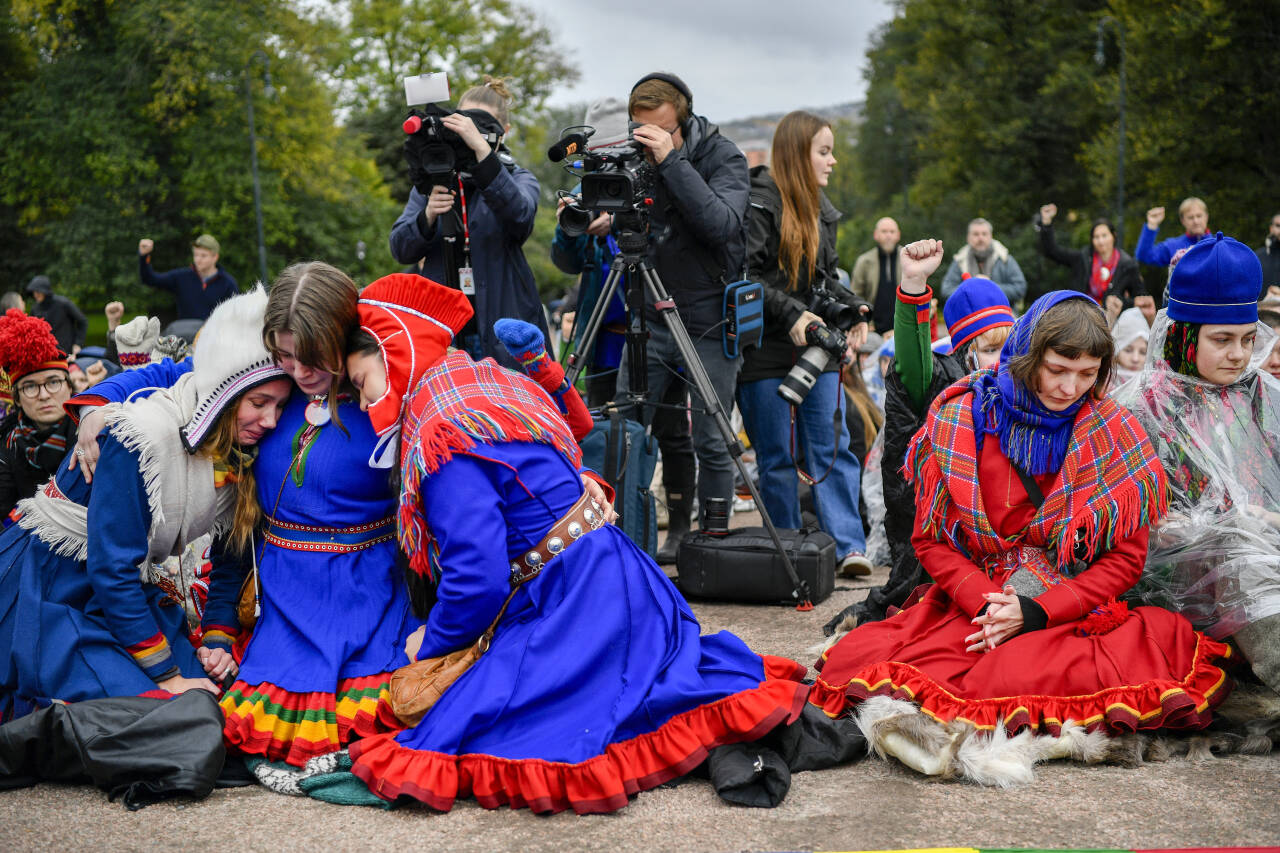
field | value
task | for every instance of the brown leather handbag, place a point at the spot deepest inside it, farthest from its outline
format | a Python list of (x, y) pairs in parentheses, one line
[(417, 687)]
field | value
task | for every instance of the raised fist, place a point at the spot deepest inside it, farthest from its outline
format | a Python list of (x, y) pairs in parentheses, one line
[(1155, 216), (1047, 212), (145, 246)]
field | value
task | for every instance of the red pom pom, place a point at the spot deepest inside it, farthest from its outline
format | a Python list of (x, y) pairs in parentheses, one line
[(27, 344), (1104, 619)]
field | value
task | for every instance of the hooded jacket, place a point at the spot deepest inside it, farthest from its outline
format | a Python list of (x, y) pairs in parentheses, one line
[(697, 233), (783, 306), (1004, 272)]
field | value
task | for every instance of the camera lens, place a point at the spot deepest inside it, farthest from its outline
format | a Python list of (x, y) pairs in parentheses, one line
[(715, 516), (574, 220), (797, 384)]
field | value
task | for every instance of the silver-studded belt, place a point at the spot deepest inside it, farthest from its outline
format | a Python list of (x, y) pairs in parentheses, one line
[(584, 516)]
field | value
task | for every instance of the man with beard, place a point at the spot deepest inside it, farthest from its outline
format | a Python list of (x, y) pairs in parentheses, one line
[(988, 258)]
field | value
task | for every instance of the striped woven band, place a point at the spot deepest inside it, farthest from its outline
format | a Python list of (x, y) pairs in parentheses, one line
[(971, 325), (330, 540)]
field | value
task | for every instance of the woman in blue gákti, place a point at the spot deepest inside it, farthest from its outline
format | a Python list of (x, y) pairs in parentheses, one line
[(81, 617), (597, 684)]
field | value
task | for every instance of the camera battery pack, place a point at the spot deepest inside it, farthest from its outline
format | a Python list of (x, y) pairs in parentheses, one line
[(743, 317)]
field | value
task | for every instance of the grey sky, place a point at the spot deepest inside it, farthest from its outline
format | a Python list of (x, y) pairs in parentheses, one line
[(739, 58)]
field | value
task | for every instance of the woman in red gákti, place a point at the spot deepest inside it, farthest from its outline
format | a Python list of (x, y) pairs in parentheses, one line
[(597, 684), (1022, 626)]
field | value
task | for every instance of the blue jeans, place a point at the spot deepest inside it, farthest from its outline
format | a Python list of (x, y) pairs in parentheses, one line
[(767, 418)]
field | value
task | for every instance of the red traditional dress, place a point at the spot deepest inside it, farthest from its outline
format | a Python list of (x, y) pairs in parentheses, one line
[(1095, 661)]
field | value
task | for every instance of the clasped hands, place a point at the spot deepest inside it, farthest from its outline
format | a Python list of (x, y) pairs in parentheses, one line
[(999, 622)]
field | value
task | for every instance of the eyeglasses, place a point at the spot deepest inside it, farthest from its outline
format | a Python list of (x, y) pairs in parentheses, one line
[(31, 390)]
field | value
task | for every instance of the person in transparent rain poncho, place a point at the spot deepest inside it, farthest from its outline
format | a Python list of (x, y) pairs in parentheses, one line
[(1213, 415)]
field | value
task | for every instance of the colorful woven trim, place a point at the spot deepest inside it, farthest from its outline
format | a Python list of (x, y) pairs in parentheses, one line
[(329, 540), (151, 652), (208, 409), (279, 725), (599, 784), (972, 325), (1185, 704), (129, 360), (219, 635)]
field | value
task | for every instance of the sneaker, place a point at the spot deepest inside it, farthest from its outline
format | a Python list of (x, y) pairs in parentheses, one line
[(855, 564)]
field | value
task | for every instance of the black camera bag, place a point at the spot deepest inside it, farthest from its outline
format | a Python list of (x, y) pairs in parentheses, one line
[(743, 565)]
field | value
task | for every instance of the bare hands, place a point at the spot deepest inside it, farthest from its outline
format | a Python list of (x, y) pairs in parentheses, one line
[(1155, 216), (1113, 306), (114, 312), (596, 491), (467, 131), (440, 201), (413, 643), (601, 225), (1000, 623), (96, 373), (1146, 303), (217, 662), (918, 261), (86, 452), (1047, 212), (798, 327), (857, 336), (145, 246), (178, 684), (658, 141)]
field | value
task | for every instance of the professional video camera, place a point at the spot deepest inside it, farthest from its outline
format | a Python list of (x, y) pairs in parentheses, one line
[(616, 179), (437, 155), (825, 343)]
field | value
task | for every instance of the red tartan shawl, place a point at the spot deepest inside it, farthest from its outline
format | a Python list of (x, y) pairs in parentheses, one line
[(457, 404), (1111, 484)]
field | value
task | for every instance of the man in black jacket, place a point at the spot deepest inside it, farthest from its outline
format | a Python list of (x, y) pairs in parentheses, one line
[(1269, 255), (63, 316), (697, 245)]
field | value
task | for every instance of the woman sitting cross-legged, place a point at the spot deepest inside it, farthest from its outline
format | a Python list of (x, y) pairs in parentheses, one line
[(81, 615), (1034, 495), (597, 683)]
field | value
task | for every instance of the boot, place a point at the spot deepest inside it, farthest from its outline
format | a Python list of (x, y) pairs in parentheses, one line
[(679, 510)]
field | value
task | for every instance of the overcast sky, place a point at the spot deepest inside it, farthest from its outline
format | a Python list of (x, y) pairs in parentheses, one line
[(740, 59)]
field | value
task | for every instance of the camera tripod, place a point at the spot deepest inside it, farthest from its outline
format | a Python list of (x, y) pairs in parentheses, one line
[(642, 281)]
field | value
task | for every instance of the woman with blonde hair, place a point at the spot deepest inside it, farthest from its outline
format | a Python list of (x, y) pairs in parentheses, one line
[(791, 249), (83, 617)]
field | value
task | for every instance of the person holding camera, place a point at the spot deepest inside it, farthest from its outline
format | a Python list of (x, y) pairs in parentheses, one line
[(789, 391), (487, 209), (696, 242)]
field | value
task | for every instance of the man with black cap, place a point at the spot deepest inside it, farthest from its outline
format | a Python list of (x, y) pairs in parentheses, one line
[(198, 288), (63, 316), (697, 244)]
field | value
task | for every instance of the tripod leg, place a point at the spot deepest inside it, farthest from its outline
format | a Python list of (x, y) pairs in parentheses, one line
[(698, 373), (591, 330)]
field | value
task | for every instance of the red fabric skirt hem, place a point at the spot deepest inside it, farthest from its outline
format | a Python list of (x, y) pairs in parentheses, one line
[(1185, 704), (600, 784), (258, 724)]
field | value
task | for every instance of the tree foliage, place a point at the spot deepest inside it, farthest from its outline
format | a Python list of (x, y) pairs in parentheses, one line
[(994, 107)]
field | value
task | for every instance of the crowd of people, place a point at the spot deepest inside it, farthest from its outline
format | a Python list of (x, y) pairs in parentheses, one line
[(362, 519)]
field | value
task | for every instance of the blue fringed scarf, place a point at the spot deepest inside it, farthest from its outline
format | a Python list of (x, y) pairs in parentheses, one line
[(1033, 437)]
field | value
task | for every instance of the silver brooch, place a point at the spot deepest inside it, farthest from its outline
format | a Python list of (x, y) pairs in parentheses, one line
[(575, 529), (555, 545)]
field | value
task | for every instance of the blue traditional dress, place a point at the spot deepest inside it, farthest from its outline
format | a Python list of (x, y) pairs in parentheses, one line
[(597, 684), (335, 607), (78, 627)]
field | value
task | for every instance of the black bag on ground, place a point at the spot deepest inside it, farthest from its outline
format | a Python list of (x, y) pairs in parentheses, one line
[(743, 565), (625, 454), (136, 748)]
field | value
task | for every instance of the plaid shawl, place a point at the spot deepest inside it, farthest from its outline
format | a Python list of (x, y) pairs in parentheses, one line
[(456, 404), (1111, 482)]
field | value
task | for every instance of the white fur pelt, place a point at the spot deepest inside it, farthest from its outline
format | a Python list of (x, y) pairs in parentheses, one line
[(957, 750)]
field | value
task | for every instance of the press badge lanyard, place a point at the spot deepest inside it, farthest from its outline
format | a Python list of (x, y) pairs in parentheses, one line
[(466, 279)]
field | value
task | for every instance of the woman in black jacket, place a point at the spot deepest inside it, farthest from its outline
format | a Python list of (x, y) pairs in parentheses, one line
[(1103, 270), (791, 249)]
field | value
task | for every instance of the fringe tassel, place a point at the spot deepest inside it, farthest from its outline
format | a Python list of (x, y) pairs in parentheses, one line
[(61, 541)]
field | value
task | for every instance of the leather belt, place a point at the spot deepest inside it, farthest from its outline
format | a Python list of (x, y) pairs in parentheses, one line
[(330, 540), (583, 517)]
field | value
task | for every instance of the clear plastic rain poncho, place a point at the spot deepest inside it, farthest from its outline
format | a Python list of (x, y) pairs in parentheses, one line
[(1216, 557)]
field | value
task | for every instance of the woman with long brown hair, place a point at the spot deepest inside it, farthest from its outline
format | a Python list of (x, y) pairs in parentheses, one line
[(78, 620), (791, 249)]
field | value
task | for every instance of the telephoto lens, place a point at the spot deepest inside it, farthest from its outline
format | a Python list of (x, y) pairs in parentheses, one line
[(824, 344), (715, 516)]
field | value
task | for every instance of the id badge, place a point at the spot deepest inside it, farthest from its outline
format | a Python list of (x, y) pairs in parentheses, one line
[(466, 281)]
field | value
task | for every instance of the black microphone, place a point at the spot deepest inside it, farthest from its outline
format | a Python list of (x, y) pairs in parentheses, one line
[(570, 143)]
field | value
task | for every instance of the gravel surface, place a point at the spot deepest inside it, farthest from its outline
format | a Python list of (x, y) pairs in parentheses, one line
[(866, 805)]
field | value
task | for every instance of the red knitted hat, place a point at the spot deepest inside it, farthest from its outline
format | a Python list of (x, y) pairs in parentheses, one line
[(27, 345), (414, 320)]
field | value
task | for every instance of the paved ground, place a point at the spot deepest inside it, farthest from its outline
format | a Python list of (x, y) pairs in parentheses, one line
[(870, 804)]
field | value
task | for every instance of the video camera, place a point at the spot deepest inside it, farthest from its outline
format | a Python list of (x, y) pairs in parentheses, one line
[(824, 344), (436, 155), (616, 179)]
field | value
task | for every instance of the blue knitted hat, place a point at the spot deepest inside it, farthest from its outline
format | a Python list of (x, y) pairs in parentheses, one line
[(1217, 281), (977, 306)]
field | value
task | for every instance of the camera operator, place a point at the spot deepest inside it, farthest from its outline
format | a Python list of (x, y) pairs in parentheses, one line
[(791, 249), (495, 204), (697, 246)]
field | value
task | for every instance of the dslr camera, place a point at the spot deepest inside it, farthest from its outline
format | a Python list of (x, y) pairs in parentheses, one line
[(616, 179), (824, 343), (436, 156)]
